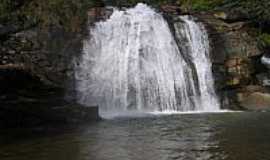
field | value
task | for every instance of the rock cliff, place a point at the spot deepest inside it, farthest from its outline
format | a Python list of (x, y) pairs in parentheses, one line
[(236, 57), (36, 68), (44, 56)]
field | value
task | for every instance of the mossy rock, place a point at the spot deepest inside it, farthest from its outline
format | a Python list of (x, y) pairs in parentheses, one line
[(264, 40)]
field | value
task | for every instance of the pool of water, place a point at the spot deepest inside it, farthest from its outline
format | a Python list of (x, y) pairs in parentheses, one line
[(219, 136)]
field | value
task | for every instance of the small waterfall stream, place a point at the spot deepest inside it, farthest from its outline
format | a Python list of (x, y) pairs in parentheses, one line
[(133, 62)]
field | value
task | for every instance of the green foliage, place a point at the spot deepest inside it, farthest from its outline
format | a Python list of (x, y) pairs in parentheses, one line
[(264, 39), (68, 14), (56, 12), (5, 7), (6, 10), (197, 5), (200, 5), (256, 9)]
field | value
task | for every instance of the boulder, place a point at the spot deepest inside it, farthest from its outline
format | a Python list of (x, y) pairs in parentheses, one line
[(256, 101), (253, 88)]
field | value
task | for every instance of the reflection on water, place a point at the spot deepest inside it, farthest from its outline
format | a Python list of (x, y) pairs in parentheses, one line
[(228, 136)]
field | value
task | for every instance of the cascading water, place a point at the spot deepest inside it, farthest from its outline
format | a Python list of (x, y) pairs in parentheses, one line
[(197, 51), (132, 62)]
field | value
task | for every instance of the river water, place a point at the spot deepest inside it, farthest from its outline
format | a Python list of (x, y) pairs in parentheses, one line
[(219, 136)]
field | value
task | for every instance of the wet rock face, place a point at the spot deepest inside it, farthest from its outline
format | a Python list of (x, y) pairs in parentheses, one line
[(36, 68), (47, 52), (230, 39), (25, 101), (235, 54), (236, 57), (238, 70)]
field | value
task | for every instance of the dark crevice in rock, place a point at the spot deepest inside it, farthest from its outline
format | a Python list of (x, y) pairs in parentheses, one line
[(25, 101)]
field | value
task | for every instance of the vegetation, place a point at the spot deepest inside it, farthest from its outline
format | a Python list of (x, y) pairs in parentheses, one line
[(264, 39), (60, 13), (258, 9), (70, 14), (199, 5)]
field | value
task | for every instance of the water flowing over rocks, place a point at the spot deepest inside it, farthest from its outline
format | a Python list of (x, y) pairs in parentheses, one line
[(236, 56), (46, 54), (132, 62)]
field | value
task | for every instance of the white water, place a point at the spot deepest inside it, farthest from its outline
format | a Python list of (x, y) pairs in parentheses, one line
[(131, 62), (266, 61), (197, 40)]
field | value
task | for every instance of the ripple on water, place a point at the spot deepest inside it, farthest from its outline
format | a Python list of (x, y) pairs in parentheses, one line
[(228, 136)]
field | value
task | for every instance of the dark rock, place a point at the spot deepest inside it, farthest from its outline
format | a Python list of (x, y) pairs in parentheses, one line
[(25, 101), (34, 79), (231, 16), (229, 99), (170, 9), (36, 68), (34, 114), (11, 52), (99, 13)]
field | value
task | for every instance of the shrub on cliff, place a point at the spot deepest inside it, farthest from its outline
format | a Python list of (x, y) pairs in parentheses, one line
[(68, 14), (264, 41), (257, 10), (199, 5)]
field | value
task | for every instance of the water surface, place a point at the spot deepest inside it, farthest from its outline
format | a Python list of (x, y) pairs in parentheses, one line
[(228, 136)]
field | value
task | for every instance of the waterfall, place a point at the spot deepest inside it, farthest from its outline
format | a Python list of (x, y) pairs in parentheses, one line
[(198, 53), (133, 62)]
